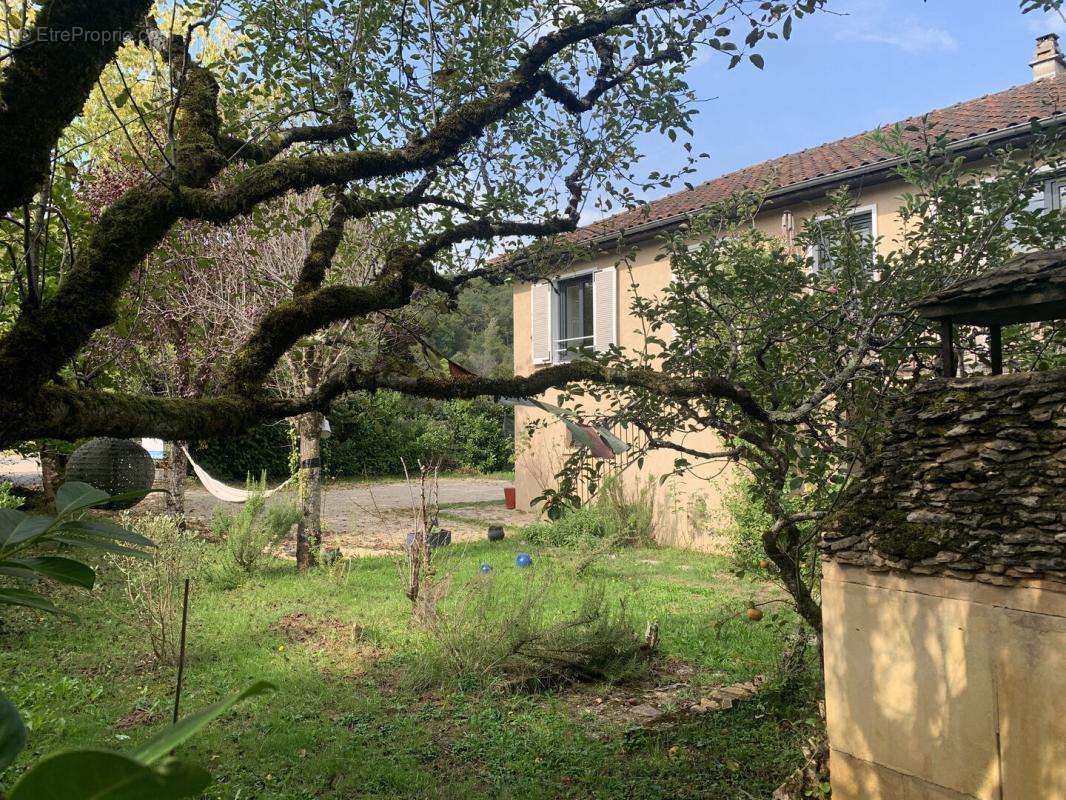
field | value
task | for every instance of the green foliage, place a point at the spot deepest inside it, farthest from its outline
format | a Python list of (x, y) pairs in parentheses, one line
[(617, 516), (750, 522), (374, 435), (497, 636), (479, 332), (342, 685), (8, 499), (470, 435), (247, 535), (154, 587), (150, 772), (28, 545), (261, 449), (820, 331)]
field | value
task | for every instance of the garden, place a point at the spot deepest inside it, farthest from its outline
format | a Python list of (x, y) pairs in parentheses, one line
[(291, 246), (606, 672)]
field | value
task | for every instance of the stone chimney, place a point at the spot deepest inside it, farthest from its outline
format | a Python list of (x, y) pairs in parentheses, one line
[(1047, 60)]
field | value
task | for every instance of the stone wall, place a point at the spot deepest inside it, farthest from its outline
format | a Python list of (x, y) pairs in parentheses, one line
[(970, 482), (944, 600)]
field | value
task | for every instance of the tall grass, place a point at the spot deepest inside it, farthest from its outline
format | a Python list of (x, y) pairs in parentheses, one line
[(522, 640), (618, 516)]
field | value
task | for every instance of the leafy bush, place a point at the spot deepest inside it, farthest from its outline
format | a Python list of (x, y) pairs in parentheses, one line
[(29, 543), (375, 434), (750, 522), (264, 448), (616, 517), (507, 638), (246, 535), (97, 774), (155, 587), (8, 499)]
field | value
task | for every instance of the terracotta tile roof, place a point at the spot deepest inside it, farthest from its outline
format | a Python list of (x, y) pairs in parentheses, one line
[(1018, 106)]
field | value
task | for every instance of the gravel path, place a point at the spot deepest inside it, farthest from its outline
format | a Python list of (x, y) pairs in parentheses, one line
[(362, 519)]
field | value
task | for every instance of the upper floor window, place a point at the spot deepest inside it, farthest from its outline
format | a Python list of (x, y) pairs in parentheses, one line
[(576, 313), (861, 224), (1048, 196)]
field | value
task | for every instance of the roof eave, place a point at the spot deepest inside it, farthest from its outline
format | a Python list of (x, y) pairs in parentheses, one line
[(880, 172)]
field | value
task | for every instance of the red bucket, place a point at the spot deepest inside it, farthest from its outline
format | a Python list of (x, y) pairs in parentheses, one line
[(509, 500)]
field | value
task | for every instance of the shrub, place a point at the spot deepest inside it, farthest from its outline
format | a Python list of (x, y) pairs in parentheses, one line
[(616, 517), (375, 434), (498, 635), (750, 522), (154, 586), (8, 499), (246, 535), (264, 448)]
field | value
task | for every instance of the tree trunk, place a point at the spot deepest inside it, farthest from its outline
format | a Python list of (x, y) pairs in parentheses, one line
[(177, 467), (52, 466), (309, 529)]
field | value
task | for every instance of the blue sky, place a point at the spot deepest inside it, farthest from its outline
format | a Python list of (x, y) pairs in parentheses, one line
[(870, 63)]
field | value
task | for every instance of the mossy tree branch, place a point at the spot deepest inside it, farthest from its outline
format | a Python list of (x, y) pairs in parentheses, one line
[(44, 339), (47, 80), (60, 412)]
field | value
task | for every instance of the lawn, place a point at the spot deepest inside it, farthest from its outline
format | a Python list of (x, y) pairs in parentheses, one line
[(353, 715)]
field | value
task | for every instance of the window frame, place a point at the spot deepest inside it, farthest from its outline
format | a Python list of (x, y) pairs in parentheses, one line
[(559, 354), (858, 211)]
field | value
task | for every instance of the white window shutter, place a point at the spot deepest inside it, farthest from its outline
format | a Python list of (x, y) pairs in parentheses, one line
[(605, 301), (540, 322)]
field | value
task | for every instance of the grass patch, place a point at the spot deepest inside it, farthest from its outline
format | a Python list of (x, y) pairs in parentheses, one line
[(347, 722)]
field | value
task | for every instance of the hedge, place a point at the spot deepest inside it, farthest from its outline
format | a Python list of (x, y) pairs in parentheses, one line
[(373, 435)]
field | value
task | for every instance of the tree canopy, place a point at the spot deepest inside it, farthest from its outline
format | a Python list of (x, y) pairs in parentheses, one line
[(456, 130)]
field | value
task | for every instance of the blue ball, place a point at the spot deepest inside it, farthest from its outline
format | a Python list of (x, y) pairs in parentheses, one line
[(485, 569), (523, 560)]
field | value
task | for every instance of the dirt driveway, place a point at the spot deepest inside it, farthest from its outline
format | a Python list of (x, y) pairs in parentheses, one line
[(365, 518)]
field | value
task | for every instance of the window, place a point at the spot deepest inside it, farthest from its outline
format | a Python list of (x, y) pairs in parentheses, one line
[(861, 223), (1047, 195), (572, 315), (575, 315)]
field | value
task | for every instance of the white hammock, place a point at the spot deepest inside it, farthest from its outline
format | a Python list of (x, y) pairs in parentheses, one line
[(227, 494)]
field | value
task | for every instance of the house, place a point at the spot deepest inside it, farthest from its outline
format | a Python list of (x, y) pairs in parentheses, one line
[(588, 304)]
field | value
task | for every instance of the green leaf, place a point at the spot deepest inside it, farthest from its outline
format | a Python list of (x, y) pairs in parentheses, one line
[(757, 60), (176, 734), (12, 732), (122, 98), (9, 520), (100, 544), (29, 528), (21, 597), (13, 569), (74, 496), (106, 775), (102, 528), (64, 570)]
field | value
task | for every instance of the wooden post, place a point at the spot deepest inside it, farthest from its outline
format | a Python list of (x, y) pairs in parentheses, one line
[(947, 348), (995, 345), (181, 650)]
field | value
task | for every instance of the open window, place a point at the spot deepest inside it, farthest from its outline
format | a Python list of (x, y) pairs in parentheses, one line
[(576, 314), (573, 315)]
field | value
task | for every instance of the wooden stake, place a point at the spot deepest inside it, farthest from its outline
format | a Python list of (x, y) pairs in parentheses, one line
[(181, 650)]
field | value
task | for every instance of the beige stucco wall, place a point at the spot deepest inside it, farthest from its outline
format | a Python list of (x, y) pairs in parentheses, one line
[(690, 507), (941, 689)]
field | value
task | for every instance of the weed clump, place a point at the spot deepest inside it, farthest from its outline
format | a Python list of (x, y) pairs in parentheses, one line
[(247, 535), (616, 517), (495, 636), (154, 585)]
